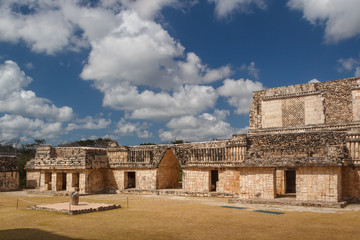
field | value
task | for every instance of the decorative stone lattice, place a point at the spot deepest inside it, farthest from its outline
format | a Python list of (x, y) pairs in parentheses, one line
[(293, 112)]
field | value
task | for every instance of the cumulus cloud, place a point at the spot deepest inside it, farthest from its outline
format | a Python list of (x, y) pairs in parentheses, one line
[(239, 93), (12, 126), (198, 128), (349, 65), (340, 17), (189, 99), (16, 100), (143, 53), (126, 128), (140, 52), (224, 8), (27, 116), (89, 123)]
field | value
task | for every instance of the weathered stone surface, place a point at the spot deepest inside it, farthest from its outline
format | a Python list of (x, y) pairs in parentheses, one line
[(74, 198), (303, 142), (9, 173)]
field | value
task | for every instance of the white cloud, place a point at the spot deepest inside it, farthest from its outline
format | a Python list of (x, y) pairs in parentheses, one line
[(148, 9), (357, 71), (44, 29), (251, 70), (340, 17), (16, 100), (27, 116), (89, 123), (198, 128), (138, 51), (224, 8), (141, 53), (349, 65), (314, 80), (12, 126), (190, 99), (29, 65), (124, 128), (239, 93)]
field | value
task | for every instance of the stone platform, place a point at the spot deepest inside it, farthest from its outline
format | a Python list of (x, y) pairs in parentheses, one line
[(83, 207)]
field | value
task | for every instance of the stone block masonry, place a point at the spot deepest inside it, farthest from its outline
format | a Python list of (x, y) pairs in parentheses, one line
[(303, 143), (319, 184), (9, 173), (257, 183)]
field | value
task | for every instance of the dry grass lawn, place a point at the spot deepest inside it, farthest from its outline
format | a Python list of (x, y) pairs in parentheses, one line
[(169, 217)]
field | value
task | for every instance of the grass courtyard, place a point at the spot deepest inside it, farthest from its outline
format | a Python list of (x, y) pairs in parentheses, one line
[(170, 217)]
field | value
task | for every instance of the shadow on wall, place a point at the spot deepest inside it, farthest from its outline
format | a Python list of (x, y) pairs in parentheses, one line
[(31, 233)]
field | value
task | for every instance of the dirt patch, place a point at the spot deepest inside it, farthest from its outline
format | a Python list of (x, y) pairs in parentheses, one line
[(170, 217)]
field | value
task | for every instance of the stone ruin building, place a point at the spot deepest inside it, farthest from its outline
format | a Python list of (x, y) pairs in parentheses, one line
[(303, 142), (9, 172)]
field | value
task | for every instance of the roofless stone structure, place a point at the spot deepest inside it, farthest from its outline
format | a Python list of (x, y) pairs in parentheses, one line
[(303, 142)]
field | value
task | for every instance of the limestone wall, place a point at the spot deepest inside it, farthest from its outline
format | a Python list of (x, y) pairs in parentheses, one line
[(168, 171), (280, 182), (9, 181), (351, 183), (318, 184), (146, 179), (257, 183), (196, 180), (323, 103), (96, 181), (114, 179), (32, 179), (229, 181), (296, 149), (9, 175), (48, 157)]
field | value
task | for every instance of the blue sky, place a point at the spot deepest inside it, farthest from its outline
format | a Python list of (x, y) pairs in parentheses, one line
[(156, 71)]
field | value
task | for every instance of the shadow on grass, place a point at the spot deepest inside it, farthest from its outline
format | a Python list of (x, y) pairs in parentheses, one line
[(31, 233)]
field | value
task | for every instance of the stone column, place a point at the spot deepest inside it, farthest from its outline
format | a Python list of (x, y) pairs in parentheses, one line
[(83, 182), (54, 177)]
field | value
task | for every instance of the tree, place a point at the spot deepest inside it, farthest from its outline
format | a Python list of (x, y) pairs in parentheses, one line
[(177, 142), (27, 152), (100, 142)]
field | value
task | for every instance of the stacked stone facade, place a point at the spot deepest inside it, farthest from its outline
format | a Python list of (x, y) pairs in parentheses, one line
[(9, 173), (303, 142)]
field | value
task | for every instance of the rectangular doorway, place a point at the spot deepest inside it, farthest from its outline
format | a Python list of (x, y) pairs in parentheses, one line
[(214, 179), (75, 180), (131, 180), (290, 181), (63, 186), (48, 179)]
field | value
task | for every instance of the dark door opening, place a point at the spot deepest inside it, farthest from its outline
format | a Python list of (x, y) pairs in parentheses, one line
[(290, 176), (48, 179), (131, 180), (75, 180), (214, 179), (63, 186)]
